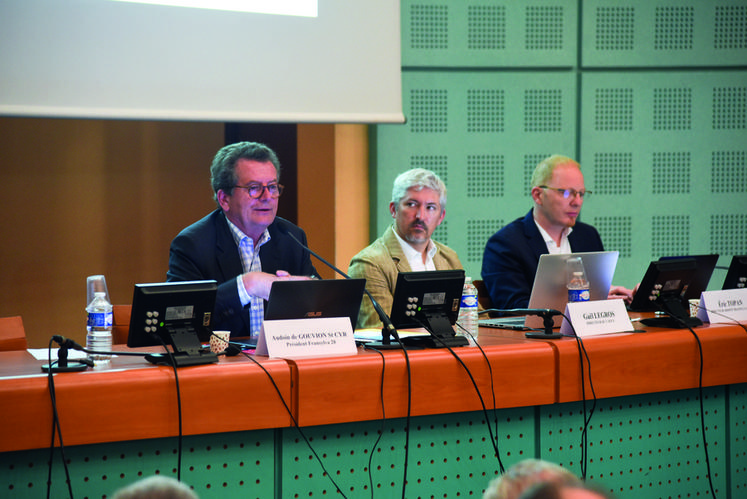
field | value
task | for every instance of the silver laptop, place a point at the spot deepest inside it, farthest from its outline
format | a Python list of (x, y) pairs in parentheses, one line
[(549, 289)]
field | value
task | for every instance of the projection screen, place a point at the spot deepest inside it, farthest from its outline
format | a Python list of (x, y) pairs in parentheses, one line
[(111, 59)]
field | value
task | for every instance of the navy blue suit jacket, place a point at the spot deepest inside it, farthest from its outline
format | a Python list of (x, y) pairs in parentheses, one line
[(207, 250), (512, 255)]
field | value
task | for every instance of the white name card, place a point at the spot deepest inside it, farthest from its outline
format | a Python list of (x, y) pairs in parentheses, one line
[(295, 338), (724, 306), (591, 318)]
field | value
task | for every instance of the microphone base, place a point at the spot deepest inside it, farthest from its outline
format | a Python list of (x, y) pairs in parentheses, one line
[(392, 346), (71, 367), (541, 335)]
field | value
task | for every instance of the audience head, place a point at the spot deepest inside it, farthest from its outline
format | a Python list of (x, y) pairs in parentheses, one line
[(558, 491), (245, 179), (223, 174), (558, 192), (418, 205), (522, 475), (156, 487)]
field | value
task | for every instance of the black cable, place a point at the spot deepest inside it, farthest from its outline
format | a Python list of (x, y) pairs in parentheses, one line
[(409, 407), (295, 423), (178, 407), (700, 396), (383, 420), (477, 390), (587, 419), (56, 427), (492, 383)]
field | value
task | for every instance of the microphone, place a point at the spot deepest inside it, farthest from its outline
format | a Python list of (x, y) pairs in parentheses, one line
[(389, 328), (66, 342)]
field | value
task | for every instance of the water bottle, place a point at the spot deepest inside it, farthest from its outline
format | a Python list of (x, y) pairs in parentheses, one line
[(578, 285), (99, 327), (468, 310)]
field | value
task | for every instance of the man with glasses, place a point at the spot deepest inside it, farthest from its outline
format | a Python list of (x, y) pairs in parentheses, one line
[(512, 254), (418, 206), (242, 245)]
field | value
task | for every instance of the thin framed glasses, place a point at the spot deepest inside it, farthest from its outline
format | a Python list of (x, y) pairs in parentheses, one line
[(256, 190), (567, 193)]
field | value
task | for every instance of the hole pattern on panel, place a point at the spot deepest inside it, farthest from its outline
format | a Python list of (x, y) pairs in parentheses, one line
[(728, 234), (486, 27), (486, 110), (239, 464), (429, 111), (429, 27), (729, 171), (613, 109), (643, 446), (674, 28), (613, 172), (738, 430), (730, 27), (729, 108), (438, 164), (485, 175), (670, 235), (544, 28), (441, 234), (450, 455), (543, 110), (673, 108), (671, 173), (617, 233), (530, 163), (615, 28), (478, 233)]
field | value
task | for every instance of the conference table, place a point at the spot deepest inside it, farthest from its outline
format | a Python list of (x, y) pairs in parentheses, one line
[(622, 409)]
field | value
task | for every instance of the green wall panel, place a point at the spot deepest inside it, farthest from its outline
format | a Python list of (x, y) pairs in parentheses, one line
[(488, 33), (651, 97), (664, 33), (664, 153)]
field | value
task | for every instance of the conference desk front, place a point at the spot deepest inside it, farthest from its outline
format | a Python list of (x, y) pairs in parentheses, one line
[(239, 440)]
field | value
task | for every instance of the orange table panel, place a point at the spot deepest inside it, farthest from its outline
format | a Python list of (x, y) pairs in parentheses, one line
[(134, 400), (653, 361), (345, 389)]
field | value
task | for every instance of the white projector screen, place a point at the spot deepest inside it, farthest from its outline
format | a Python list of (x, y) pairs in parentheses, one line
[(104, 59)]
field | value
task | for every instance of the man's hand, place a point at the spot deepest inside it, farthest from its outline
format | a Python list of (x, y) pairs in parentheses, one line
[(259, 283)]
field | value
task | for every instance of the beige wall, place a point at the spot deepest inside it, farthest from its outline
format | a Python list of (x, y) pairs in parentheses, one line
[(85, 197)]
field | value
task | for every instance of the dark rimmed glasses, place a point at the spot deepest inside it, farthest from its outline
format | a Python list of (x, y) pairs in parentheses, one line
[(256, 190)]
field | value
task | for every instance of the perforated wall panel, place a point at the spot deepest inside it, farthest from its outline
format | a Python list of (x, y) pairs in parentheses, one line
[(488, 33), (663, 33), (651, 97)]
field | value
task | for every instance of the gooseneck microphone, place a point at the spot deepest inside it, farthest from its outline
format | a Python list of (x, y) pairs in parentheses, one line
[(389, 328)]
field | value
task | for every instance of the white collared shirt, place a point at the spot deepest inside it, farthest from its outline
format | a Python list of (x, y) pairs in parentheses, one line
[(415, 258), (552, 248)]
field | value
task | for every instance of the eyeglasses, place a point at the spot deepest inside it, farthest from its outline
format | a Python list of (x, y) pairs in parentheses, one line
[(256, 190), (567, 192)]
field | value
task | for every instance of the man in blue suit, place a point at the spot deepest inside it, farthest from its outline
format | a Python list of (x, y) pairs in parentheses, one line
[(512, 254), (242, 245)]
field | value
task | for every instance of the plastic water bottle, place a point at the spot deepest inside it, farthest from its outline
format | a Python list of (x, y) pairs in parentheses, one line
[(468, 310), (99, 327), (578, 285)]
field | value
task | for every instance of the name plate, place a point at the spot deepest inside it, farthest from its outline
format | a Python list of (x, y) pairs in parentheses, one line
[(592, 318), (724, 306), (316, 337)]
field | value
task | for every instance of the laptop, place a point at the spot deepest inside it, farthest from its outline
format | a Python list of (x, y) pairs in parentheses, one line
[(549, 289), (315, 298)]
